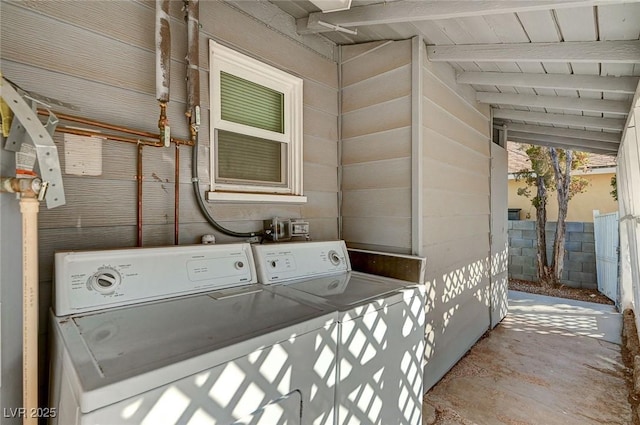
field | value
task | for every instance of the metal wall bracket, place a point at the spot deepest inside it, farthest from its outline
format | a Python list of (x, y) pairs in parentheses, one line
[(17, 133), (40, 137)]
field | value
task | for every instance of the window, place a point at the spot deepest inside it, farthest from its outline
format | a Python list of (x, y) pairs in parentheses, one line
[(256, 130)]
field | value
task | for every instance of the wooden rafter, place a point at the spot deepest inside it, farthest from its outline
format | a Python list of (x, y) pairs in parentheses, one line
[(555, 102), (622, 85), (588, 148), (567, 141), (565, 132), (615, 124), (568, 51), (407, 11)]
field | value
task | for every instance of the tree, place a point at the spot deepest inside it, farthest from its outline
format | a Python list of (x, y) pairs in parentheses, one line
[(551, 170), (614, 185)]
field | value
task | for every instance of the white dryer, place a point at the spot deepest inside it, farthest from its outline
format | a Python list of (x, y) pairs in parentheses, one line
[(380, 328), (183, 335)]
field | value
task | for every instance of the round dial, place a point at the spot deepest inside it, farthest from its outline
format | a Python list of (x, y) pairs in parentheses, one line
[(334, 258), (105, 280), (239, 265)]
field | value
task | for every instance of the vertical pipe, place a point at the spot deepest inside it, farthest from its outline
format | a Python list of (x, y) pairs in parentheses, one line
[(340, 143), (163, 67), (163, 51), (193, 73), (417, 148), (29, 208), (139, 197), (176, 197)]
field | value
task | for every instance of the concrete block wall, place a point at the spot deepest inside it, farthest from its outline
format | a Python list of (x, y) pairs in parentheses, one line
[(579, 260)]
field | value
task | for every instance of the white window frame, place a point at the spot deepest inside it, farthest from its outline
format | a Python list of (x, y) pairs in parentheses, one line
[(222, 58)]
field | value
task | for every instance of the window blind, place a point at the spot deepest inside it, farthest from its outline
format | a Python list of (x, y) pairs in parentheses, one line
[(242, 157), (248, 103)]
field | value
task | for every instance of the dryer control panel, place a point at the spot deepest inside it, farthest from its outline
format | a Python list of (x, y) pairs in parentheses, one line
[(287, 261), (95, 280)]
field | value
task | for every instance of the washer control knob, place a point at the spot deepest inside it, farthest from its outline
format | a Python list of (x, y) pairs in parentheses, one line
[(105, 281), (334, 258), (273, 263), (239, 265)]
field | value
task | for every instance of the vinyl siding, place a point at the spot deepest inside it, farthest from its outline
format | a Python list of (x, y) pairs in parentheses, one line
[(455, 222), (455, 188), (376, 145)]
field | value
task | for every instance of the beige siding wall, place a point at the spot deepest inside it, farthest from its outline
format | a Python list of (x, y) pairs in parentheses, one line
[(377, 185), (99, 56), (376, 145), (456, 208), (65, 51)]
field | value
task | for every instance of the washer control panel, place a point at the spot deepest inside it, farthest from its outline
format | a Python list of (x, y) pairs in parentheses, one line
[(95, 280), (287, 261)]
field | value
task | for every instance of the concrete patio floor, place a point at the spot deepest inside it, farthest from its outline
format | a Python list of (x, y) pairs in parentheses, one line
[(552, 361)]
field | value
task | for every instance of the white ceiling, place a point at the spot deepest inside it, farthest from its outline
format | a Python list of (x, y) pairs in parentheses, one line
[(557, 72)]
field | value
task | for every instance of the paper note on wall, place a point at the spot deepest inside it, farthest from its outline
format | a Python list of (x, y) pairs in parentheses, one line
[(82, 155)]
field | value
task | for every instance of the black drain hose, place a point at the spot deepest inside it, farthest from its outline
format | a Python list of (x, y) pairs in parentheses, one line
[(196, 188)]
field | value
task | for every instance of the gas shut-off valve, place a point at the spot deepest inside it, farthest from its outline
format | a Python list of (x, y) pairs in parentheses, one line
[(24, 186)]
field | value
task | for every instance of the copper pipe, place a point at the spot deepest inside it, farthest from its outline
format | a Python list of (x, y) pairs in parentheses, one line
[(94, 123), (139, 218), (163, 125), (90, 133), (100, 124), (176, 205)]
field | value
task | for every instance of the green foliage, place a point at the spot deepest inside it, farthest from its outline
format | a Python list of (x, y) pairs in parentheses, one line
[(614, 185), (524, 191), (577, 185), (541, 166)]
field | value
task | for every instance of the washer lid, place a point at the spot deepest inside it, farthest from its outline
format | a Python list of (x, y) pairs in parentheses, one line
[(120, 353), (346, 290)]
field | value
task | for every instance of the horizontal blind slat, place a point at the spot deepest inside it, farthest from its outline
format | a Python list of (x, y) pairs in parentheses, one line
[(242, 157), (245, 102)]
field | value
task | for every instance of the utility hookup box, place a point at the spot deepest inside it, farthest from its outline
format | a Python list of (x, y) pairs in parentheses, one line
[(284, 229)]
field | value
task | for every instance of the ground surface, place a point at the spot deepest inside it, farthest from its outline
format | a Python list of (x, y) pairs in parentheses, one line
[(550, 362), (590, 295)]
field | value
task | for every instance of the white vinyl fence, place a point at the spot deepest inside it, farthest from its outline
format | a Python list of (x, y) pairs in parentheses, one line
[(606, 243)]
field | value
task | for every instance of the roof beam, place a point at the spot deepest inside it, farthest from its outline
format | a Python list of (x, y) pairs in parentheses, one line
[(406, 11), (622, 85), (566, 132), (566, 51), (556, 102), (592, 149), (569, 141), (614, 124)]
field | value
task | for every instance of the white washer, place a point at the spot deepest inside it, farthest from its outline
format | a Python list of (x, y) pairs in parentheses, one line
[(183, 335), (380, 328)]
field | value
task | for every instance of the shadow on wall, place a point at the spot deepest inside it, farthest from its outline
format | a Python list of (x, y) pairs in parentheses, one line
[(459, 308)]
